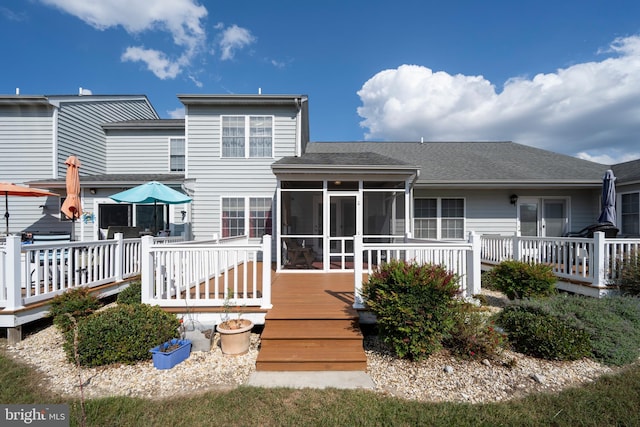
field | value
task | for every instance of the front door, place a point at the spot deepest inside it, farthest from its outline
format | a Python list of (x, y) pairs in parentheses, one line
[(342, 228)]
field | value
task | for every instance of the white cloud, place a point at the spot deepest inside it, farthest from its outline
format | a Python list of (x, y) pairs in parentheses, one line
[(178, 113), (157, 62), (181, 18), (234, 38), (590, 108)]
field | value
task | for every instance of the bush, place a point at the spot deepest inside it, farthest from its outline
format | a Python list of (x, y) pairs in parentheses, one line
[(121, 334), (473, 335), (77, 302), (612, 323), (518, 279), (628, 281), (413, 305), (131, 294), (536, 333)]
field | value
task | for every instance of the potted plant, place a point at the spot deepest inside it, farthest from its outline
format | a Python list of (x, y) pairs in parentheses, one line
[(235, 334), (169, 354)]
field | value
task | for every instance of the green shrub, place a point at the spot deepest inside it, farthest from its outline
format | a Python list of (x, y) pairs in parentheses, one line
[(518, 279), (612, 323), (78, 302), (537, 333), (473, 335), (628, 281), (413, 305), (131, 294), (121, 334)]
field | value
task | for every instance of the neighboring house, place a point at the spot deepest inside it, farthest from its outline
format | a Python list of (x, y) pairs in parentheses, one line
[(248, 163), (38, 133)]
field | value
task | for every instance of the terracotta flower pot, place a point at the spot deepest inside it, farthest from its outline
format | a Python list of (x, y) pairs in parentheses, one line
[(235, 336)]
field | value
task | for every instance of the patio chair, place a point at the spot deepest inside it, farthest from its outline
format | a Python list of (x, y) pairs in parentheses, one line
[(298, 254)]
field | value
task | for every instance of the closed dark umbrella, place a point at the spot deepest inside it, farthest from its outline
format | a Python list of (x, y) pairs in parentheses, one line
[(608, 213)]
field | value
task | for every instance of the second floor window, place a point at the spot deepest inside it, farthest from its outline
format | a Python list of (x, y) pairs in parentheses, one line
[(247, 136), (176, 155)]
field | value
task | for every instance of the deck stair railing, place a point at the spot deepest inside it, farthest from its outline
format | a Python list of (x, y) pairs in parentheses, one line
[(206, 274), (462, 258)]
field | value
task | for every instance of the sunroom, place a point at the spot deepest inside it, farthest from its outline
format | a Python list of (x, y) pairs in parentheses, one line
[(323, 200)]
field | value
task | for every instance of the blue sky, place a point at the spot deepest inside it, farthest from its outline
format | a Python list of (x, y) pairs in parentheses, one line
[(559, 75)]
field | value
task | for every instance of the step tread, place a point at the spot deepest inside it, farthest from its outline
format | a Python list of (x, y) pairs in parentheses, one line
[(293, 329), (292, 352)]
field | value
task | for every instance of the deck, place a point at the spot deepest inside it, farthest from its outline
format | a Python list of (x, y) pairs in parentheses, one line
[(312, 325)]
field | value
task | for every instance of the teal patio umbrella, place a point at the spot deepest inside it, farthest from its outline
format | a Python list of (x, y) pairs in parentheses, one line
[(149, 192)]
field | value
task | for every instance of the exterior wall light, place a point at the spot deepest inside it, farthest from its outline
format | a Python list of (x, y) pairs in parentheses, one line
[(513, 199)]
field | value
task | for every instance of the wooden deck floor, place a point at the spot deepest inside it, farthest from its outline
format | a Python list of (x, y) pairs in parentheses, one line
[(312, 325)]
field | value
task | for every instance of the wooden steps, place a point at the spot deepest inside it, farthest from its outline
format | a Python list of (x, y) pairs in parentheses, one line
[(311, 345), (312, 327)]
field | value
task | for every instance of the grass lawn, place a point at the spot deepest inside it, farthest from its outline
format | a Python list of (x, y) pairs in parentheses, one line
[(612, 400)]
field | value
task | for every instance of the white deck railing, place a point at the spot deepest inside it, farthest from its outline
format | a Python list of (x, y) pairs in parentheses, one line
[(461, 258), (207, 274), (595, 261), (38, 272)]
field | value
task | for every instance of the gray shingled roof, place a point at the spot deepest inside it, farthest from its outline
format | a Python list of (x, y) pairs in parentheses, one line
[(627, 172), (474, 162), (348, 159), (114, 179)]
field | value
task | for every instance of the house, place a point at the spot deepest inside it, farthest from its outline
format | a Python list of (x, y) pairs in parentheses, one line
[(248, 163)]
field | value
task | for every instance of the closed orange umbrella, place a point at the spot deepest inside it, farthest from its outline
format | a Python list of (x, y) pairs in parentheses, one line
[(9, 189), (72, 207)]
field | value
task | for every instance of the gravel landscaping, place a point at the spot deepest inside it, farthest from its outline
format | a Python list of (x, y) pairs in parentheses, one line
[(440, 378)]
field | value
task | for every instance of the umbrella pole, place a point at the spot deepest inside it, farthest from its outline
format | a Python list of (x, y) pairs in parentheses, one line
[(6, 210), (155, 218)]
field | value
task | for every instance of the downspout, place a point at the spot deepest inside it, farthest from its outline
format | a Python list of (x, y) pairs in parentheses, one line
[(54, 142), (409, 205), (298, 102)]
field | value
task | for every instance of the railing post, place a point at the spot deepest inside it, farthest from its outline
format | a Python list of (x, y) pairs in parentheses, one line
[(266, 272), (119, 239), (474, 273), (14, 273), (599, 267), (516, 247), (358, 302), (146, 269)]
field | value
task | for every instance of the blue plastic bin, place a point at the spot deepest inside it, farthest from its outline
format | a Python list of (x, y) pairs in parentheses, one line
[(169, 359)]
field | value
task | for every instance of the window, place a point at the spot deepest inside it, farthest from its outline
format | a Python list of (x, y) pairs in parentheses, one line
[(236, 209), (426, 218), (259, 217), (439, 218), (176, 155), (630, 214), (115, 214), (250, 136), (232, 217)]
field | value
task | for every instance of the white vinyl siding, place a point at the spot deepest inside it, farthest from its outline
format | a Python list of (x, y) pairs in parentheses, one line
[(230, 177), (247, 136), (140, 151), (80, 130)]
